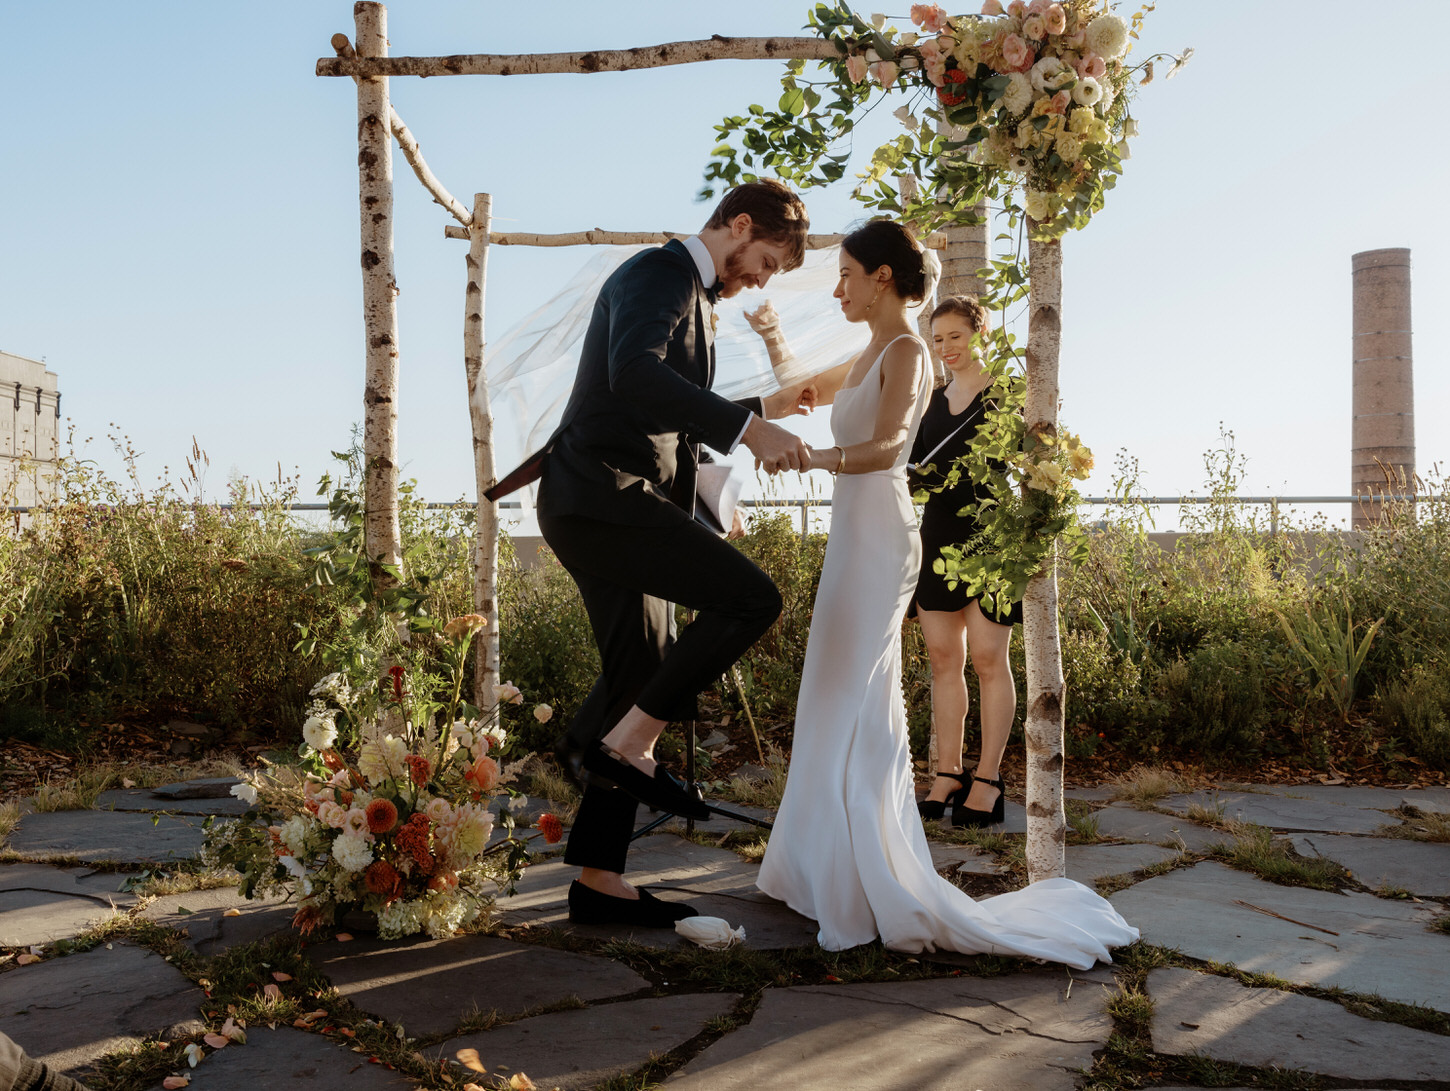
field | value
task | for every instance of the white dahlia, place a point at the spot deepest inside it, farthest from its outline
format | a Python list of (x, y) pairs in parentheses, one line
[(352, 852), (1107, 36), (1017, 96)]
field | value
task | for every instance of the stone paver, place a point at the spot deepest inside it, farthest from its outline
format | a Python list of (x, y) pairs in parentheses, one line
[(1365, 796), (70, 1011), (40, 904), (143, 799), (108, 835), (1430, 800), (1282, 812), (430, 986), (1381, 946), (1126, 822), (1219, 1018), (967, 859), (200, 788), (290, 1058), (1102, 793), (1017, 1033), (1422, 868), (202, 915), (574, 1050), (1089, 863), (716, 881)]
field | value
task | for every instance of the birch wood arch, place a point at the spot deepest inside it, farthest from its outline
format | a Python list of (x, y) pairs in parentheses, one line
[(366, 61)]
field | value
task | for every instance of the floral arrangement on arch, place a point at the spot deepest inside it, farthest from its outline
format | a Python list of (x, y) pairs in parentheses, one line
[(1032, 94), (398, 821)]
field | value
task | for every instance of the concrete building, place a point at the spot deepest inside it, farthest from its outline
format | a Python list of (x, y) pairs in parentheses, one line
[(29, 430)]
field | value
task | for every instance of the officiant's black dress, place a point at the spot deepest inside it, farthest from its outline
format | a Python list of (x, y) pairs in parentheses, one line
[(941, 521)]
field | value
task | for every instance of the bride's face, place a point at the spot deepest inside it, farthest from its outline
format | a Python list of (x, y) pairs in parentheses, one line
[(856, 288), (953, 337)]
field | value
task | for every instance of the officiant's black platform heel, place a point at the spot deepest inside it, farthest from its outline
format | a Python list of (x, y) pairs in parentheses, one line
[(962, 815), (935, 808)]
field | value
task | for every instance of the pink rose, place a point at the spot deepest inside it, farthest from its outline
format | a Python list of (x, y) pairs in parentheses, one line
[(1016, 53), (1077, 37), (992, 7), (1091, 65), (1034, 27), (1056, 19), (929, 17), (856, 68), (1017, 9), (884, 72), (1037, 7), (1060, 102)]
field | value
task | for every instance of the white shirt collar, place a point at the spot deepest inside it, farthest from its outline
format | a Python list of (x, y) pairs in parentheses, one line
[(703, 261)]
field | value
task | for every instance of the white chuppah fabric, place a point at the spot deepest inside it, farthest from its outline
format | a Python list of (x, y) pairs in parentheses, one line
[(530, 369)]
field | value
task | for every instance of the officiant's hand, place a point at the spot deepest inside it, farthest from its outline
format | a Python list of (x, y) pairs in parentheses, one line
[(797, 399), (774, 448)]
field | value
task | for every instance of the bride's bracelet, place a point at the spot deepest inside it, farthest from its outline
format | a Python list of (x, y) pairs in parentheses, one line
[(841, 462)]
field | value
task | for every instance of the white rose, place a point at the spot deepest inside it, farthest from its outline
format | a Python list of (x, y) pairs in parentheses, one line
[(1046, 74), (1122, 150), (245, 792), (1130, 127), (319, 732), (1087, 92), (1037, 205)]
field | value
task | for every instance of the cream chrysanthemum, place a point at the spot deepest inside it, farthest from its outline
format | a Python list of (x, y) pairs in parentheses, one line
[(352, 852), (1017, 96), (320, 732), (1107, 36)]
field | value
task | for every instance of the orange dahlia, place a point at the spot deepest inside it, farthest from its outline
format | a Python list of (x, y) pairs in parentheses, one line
[(382, 816)]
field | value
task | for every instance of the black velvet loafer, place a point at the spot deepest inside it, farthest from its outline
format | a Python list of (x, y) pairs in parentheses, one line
[(660, 791), (588, 906)]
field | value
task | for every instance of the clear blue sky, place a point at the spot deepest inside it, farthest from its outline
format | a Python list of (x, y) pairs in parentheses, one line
[(179, 225)]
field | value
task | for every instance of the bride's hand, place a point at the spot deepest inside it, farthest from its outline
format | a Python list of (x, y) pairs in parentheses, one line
[(763, 319), (797, 399)]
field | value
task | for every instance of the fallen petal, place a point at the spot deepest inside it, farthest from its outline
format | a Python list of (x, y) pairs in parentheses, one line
[(278, 975), (232, 913), (171, 1083), (216, 1041), (343, 937), (468, 1058), (26, 959), (272, 992)]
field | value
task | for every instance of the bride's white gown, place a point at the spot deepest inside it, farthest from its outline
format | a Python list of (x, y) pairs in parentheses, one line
[(848, 849)]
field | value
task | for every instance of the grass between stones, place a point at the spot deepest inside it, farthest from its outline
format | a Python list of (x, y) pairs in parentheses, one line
[(1144, 786), (1082, 823), (79, 792), (9, 815), (749, 844), (761, 791), (1254, 849), (1130, 1062), (1420, 826)]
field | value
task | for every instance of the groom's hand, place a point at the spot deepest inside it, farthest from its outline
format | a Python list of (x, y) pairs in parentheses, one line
[(774, 448)]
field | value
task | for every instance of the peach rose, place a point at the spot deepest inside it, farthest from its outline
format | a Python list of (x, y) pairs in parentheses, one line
[(1034, 27), (1060, 102), (992, 7), (856, 68), (929, 17), (1092, 65), (484, 773), (1017, 53), (1056, 18), (1017, 9)]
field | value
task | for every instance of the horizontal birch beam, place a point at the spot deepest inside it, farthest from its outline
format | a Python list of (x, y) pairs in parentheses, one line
[(716, 48), (598, 237), (411, 151)]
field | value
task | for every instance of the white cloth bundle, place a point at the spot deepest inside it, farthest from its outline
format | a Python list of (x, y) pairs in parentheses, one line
[(710, 932)]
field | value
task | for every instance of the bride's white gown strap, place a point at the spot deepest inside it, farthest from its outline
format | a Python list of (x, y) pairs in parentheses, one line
[(848, 849)]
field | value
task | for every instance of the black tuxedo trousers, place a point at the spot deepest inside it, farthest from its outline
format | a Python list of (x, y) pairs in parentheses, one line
[(628, 577)]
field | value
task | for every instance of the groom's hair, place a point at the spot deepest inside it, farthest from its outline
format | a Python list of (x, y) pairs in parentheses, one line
[(776, 214)]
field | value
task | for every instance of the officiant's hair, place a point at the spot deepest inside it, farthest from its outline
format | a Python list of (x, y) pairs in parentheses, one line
[(966, 307), (777, 215), (886, 242)]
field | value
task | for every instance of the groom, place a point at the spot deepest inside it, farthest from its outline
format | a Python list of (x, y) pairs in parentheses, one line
[(617, 504)]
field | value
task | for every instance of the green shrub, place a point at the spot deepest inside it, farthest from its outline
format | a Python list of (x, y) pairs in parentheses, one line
[(1417, 707), (546, 646), (1215, 701)]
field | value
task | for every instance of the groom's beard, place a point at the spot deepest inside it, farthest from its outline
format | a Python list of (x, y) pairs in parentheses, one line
[(730, 276)]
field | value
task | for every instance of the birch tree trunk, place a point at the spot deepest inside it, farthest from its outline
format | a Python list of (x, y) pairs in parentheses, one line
[(380, 307), (485, 571), (1043, 723)]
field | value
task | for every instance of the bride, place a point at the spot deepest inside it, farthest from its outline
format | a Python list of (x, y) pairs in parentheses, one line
[(848, 849)]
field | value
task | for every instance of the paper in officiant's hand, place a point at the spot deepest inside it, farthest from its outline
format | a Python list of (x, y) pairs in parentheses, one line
[(712, 933)]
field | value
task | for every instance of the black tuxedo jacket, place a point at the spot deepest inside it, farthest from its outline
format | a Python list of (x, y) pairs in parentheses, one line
[(627, 447)]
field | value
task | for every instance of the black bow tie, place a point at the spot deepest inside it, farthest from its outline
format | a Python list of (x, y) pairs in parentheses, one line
[(713, 293)]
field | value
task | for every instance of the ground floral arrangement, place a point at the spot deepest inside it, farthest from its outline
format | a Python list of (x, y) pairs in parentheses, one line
[(388, 809)]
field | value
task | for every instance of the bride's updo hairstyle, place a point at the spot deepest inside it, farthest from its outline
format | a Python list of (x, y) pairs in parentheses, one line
[(886, 242)]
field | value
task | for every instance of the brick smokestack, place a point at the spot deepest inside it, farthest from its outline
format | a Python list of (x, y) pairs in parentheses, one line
[(1383, 437)]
